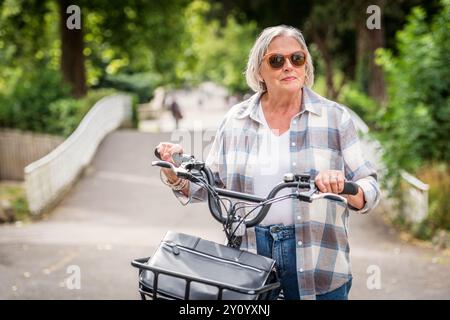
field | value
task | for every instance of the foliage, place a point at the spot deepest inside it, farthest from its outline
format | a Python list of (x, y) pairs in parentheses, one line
[(26, 28), (437, 176), (39, 103), (14, 193), (142, 84), (181, 42), (66, 114), (25, 105), (213, 51), (416, 123), (134, 111), (147, 39), (362, 104)]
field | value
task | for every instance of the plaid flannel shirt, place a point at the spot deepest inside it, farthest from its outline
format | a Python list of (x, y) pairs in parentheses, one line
[(322, 137)]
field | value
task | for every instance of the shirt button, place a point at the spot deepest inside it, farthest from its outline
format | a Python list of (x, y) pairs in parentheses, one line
[(301, 270), (294, 164), (294, 122), (293, 144), (300, 243), (299, 217)]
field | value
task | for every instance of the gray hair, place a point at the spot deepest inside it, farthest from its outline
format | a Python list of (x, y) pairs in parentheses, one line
[(260, 48)]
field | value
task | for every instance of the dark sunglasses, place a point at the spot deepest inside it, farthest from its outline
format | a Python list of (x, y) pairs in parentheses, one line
[(277, 60)]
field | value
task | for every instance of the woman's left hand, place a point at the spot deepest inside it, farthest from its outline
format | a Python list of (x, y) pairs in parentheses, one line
[(330, 181), (333, 181)]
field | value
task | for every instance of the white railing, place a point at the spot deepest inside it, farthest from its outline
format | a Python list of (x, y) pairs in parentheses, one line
[(415, 198), (48, 178)]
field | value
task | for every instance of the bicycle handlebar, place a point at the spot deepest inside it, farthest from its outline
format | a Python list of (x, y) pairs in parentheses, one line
[(290, 181)]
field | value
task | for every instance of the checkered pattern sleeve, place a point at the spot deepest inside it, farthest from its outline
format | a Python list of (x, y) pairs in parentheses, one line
[(357, 168)]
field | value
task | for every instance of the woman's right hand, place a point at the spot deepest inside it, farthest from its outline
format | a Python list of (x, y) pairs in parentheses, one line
[(166, 150)]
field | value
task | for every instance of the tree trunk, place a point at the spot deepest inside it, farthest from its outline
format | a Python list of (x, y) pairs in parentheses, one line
[(377, 89), (72, 58), (369, 76), (332, 91)]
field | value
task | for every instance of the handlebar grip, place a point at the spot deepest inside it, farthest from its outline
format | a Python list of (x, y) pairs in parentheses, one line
[(350, 188), (163, 164)]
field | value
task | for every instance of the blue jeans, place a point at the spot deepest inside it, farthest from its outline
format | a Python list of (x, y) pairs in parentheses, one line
[(278, 242)]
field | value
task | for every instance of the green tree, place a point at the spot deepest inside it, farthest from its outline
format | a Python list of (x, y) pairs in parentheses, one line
[(333, 40), (336, 31), (416, 122), (135, 35), (212, 51)]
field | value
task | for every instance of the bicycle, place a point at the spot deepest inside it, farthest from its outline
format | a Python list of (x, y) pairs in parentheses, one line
[(162, 275)]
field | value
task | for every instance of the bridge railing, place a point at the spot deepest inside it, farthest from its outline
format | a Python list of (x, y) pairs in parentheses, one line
[(47, 179)]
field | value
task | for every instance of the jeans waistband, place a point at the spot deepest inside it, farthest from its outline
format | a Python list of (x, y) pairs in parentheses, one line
[(277, 231)]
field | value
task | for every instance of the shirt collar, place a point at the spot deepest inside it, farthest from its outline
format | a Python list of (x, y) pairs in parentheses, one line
[(309, 103)]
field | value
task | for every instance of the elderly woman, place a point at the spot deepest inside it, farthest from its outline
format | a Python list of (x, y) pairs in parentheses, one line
[(287, 127)]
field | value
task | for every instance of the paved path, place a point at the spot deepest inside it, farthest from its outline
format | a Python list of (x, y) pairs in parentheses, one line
[(119, 211)]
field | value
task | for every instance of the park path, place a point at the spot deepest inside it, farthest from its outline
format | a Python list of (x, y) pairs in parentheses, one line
[(119, 210)]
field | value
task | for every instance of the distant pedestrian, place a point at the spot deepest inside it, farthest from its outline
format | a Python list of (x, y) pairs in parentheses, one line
[(176, 112)]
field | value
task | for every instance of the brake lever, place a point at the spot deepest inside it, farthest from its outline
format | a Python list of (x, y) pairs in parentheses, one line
[(306, 196), (313, 194), (180, 171), (328, 195)]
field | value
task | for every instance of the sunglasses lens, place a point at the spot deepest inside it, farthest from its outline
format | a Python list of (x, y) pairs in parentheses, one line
[(276, 61), (298, 59)]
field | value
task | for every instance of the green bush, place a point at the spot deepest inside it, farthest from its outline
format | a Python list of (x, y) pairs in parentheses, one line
[(214, 51), (437, 176), (134, 112), (141, 84), (415, 125), (63, 117), (38, 102), (14, 193), (66, 114), (416, 122), (26, 105), (362, 104)]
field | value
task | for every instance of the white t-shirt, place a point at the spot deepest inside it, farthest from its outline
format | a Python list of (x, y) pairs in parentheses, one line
[(273, 163)]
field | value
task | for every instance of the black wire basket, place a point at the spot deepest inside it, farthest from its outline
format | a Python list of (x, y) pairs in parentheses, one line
[(190, 268), (148, 286)]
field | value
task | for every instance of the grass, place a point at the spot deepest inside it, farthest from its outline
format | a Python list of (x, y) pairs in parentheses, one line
[(437, 176), (435, 228), (14, 193)]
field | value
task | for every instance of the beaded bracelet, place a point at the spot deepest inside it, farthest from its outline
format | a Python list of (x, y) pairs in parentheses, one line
[(177, 186), (180, 186)]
